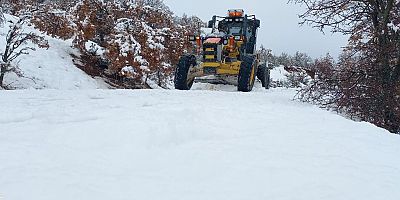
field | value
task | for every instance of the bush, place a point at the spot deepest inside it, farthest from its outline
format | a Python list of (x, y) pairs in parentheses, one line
[(54, 22), (141, 41)]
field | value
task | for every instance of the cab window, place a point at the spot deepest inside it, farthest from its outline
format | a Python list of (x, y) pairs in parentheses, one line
[(235, 30)]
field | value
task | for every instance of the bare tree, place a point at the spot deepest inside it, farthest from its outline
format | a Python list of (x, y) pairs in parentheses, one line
[(367, 76), (2, 19), (16, 45)]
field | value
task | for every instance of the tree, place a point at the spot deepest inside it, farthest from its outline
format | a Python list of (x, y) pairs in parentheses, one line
[(94, 20), (302, 60), (284, 59), (53, 21), (16, 45), (2, 18), (367, 76), (20, 7)]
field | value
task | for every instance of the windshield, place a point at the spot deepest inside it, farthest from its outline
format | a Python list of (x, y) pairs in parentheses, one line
[(232, 28), (235, 30)]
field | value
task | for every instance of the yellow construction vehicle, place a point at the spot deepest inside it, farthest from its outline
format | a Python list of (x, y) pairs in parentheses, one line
[(226, 55)]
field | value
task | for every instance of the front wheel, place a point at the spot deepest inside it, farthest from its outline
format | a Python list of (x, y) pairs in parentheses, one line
[(247, 74), (182, 81)]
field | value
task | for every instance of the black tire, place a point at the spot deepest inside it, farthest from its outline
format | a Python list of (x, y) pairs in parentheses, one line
[(181, 81), (247, 74), (263, 74)]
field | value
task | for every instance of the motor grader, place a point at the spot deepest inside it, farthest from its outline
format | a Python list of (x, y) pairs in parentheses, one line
[(226, 55)]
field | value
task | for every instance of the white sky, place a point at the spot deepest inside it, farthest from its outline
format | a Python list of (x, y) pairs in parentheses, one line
[(279, 30)]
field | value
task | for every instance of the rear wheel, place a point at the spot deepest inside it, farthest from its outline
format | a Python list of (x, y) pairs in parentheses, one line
[(247, 74), (182, 81), (263, 75)]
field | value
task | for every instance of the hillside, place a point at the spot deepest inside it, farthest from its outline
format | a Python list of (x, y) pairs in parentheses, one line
[(159, 144), (51, 68)]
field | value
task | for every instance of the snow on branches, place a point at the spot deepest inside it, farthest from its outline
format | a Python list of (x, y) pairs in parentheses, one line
[(54, 22), (141, 39), (2, 19)]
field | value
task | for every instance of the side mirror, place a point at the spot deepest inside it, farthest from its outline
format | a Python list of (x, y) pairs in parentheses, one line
[(211, 24), (257, 23)]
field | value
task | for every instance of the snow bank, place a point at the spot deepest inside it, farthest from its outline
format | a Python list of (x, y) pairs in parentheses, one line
[(196, 145), (279, 74), (51, 69)]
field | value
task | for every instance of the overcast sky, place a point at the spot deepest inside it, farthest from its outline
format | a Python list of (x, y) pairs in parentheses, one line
[(279, 30)]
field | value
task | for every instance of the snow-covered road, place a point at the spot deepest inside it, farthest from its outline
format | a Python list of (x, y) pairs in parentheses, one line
[(195, 145)]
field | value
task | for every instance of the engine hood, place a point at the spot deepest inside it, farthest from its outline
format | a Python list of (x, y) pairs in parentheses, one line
[(213, 40)]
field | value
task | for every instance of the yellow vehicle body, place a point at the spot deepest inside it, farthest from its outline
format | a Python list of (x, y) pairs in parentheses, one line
[(223, 67), (231, 68)]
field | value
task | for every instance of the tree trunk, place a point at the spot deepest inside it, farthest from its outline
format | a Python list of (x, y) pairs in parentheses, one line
[(3, 71)]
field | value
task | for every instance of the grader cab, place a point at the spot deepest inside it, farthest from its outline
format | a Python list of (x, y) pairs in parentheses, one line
[(226, 55)]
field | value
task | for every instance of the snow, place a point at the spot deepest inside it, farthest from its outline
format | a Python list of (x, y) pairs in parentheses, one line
[(51, 68), (189, 145), (279, 74), (394, 27), (94, 48)]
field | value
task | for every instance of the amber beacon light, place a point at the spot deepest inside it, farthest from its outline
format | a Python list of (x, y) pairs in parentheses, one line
[(236, 13)]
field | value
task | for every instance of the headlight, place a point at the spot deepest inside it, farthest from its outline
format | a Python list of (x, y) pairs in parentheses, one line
[(192, 38)]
